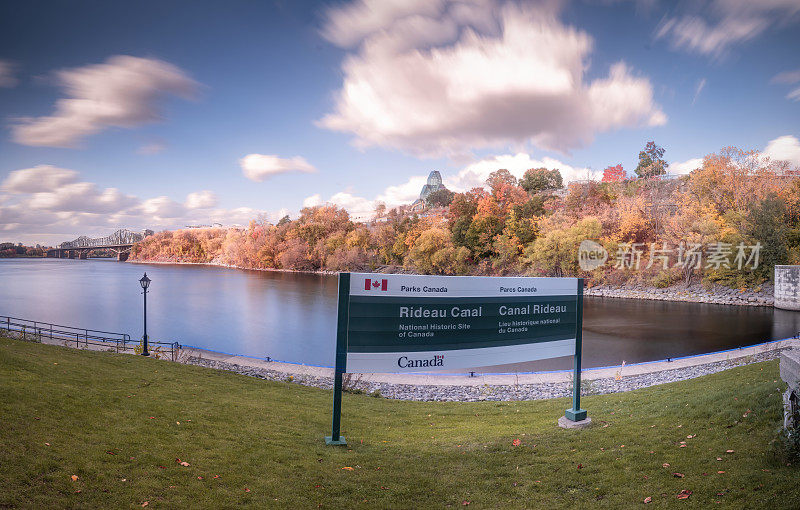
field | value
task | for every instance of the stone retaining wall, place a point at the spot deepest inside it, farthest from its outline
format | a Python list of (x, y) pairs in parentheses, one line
[(696, 293), (787, 287)]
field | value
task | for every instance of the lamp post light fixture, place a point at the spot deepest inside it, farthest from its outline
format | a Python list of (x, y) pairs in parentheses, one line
[(145, 282)]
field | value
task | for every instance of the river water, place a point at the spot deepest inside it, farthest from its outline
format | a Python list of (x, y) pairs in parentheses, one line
[(292, 317)]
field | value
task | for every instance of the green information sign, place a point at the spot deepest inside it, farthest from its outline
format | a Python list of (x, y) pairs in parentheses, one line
[(415, 323)]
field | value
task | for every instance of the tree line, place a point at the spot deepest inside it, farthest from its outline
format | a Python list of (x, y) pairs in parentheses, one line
[(534, 226)]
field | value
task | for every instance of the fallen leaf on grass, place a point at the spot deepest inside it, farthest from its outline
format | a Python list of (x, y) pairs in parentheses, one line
[(684, 494), (691, 436), (184, 464), (720, 472), (719, 458), (678, 475), (666, 464), (580, 466), (348, 468), (466, 503), (74, 477), (728, 451), (216, 476), (199, 477), (246, 489), (145, 503), (648, 499), (516, 442), (47, 444)]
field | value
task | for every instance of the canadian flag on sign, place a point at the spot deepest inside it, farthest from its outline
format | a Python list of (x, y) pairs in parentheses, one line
[(375, 284)]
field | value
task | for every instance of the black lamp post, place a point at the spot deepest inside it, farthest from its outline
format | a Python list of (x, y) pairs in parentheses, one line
[(145, 282)]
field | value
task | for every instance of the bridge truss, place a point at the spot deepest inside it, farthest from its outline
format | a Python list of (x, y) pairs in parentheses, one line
[(121, 237)]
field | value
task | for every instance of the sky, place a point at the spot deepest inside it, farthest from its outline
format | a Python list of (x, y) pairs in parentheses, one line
[(158, 115)]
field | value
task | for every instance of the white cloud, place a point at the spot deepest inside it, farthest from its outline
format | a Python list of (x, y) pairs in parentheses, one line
[(7, 74), (81, 197), (49, 204), (698, 89), (732, 22), (784, 148), (490, 75), (201, 200), (151, 148), (475, 174), (404, 193), (38, 179), (358, 207), (313, 201), (122, 92), (349, 24), (685, 167), (258, 167), (794, 95), (787, 77), (471, 176), (163, 207)]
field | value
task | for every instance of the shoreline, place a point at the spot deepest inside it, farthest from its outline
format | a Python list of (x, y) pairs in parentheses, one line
[(497, 387), (230, 266), (508, 386), (694, 293)]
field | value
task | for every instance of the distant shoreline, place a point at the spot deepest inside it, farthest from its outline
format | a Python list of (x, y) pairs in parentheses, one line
[(695, 293), (230, 266)]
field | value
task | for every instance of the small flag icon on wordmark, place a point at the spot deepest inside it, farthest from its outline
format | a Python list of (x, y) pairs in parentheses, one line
[(375, 284)]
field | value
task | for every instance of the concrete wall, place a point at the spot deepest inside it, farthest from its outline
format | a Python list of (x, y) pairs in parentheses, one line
[(787, 287)]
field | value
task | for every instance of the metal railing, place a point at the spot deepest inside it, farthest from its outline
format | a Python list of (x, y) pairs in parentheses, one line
[(38, 331)]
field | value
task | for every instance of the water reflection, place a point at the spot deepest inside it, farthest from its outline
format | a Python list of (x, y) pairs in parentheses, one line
[(292, 317)]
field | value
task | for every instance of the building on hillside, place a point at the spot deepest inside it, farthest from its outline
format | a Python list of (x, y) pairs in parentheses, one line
[(434, 184)]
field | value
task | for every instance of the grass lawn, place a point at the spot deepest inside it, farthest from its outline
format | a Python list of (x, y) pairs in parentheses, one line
[(119, 423)]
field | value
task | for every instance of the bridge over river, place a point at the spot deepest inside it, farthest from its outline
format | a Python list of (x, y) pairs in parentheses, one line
[(119, 242)]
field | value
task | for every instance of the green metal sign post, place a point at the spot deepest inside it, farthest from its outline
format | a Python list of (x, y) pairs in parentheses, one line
[(341, 359), (576, 413)]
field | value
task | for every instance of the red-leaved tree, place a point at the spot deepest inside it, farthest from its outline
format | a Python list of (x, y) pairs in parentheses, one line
[(614, 174)]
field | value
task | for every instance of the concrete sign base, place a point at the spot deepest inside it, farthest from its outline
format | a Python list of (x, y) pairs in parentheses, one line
[(565, 423)]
